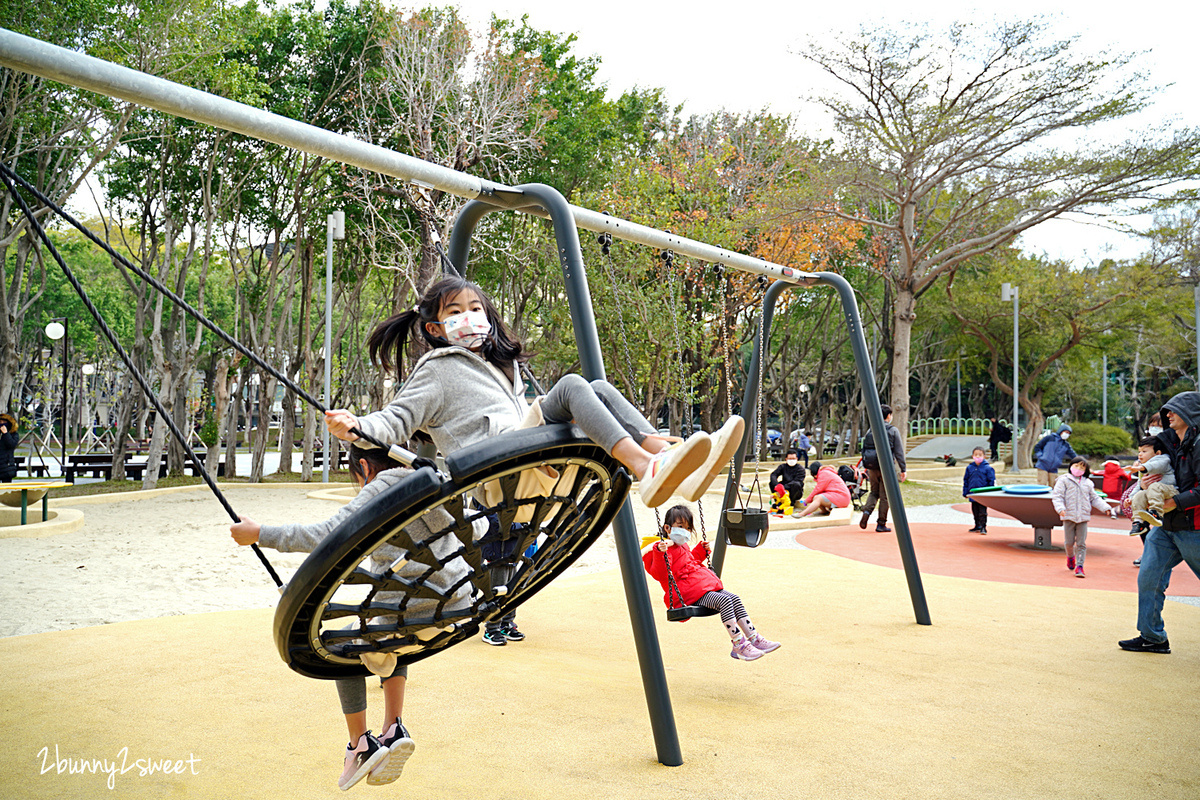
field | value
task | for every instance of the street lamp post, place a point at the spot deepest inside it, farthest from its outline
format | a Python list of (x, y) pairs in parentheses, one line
[(58, 328), (1009, 292), (335, 228)]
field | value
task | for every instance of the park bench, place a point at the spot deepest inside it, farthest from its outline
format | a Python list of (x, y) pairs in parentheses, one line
[(99, 465), (31, 469)]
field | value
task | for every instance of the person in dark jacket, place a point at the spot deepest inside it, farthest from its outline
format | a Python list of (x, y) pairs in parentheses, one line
[(790, 475), (8, 445), (1000, 433), (1050, 452), (1178, 538), (978, 474), (870, 460)]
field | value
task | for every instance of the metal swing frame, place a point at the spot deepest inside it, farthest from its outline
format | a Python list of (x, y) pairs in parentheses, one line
[(56, 63)]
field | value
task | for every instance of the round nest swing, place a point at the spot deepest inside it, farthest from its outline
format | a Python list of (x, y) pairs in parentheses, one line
[(407, 575)]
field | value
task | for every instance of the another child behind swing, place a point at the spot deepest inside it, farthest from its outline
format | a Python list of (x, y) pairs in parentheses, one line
[(697, 585)]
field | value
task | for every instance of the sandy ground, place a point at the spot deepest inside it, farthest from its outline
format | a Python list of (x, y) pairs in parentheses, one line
[(169, 555)]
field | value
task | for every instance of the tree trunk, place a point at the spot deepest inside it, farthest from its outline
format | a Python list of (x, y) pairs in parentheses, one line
[(903, 317), (220, 394)]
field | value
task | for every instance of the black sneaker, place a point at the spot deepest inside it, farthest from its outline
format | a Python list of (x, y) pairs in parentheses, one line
[(881, 528), (1139, 528), (1140, 645), (1149, 517), (862, 522), (495, 637), (400, 747), (975, 530), (511, 633)]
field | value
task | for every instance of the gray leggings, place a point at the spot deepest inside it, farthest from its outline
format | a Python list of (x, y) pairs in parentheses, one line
[(1075, 540), (598, 408), (353, 691)]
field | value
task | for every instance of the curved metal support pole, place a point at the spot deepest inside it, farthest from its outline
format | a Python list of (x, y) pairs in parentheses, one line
[(866, 376), (587, 340), (887, 466), (749, 403)]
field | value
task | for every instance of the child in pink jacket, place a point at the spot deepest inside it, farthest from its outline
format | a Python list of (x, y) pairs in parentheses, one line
[(829, 491), (697, 585), (1074, 496)]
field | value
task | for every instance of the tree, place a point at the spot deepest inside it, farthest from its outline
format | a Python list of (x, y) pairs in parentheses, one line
[(953, 146), (1063, 310)]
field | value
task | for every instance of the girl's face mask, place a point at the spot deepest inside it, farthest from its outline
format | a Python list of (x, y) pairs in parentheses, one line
[(1077, 471), (977, 459), (680, 536), (469, 329), (1154, 430)]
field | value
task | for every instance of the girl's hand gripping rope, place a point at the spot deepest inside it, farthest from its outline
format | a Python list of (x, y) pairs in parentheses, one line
[(341, 423)]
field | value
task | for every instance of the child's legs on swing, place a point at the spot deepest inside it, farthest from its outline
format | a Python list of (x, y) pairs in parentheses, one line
[(607, 418), (353, 695)]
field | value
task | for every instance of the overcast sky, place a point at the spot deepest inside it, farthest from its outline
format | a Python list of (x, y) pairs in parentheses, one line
[(740, 57)]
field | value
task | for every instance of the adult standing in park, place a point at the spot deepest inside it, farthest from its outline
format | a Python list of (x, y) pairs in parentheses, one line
[(870, 461), (803, 444), (1000, 433), (1178, 538), (1050, 452), (8, 445)]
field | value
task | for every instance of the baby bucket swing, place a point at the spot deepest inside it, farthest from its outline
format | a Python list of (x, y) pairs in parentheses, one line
[(744, 526), (406, 575)]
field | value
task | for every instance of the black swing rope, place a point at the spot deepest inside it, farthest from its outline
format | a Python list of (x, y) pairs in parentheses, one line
[(8, 176)]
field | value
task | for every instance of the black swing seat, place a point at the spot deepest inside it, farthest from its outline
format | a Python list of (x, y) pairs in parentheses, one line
[(746, 527), (684, 613), (406, 574)]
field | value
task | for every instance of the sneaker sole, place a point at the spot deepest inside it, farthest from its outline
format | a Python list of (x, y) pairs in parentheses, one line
[(1148, 518), (688, 459), (515, 638), (365, 769), (1165, 652), (695, 485), (499, 643), (398, 754), (771, 649)]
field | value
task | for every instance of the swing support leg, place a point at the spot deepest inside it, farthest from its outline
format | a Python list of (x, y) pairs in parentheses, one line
[(866, 376), (645, 636)]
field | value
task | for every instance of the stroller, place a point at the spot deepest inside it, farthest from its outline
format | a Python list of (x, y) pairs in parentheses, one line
[(855, 479)]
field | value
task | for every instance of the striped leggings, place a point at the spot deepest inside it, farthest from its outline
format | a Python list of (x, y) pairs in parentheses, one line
[(733, 613)]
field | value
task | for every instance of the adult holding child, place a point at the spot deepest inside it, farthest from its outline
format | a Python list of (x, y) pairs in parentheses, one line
[(1177, 539)]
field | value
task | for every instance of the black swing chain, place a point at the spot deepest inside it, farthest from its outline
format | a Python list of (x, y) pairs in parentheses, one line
[(5, 174), (196, 314)]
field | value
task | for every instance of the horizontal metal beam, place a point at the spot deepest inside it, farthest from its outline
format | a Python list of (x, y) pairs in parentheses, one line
[(49, 61)]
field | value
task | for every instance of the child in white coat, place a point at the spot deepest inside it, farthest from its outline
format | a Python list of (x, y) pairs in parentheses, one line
[(1074, 496)]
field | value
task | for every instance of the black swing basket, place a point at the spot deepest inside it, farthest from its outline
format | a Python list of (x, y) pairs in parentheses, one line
[(746, 526), (440, 591)]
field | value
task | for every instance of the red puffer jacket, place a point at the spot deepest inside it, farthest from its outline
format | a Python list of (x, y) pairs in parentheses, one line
[(1115, 479), (691, 576)]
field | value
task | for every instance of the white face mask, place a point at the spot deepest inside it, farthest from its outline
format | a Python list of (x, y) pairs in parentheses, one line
[(1066, 434), (791, 462), (680, 536), (469, 329), (1154, 430)]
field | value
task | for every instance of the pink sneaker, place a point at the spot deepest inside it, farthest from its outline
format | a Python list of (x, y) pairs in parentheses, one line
[(1070, 562), (361, 759), (746, 651), (1079, 572), (400, 746), (764, 645)]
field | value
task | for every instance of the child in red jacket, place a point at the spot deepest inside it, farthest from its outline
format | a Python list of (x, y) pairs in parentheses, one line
[(697, 585)]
